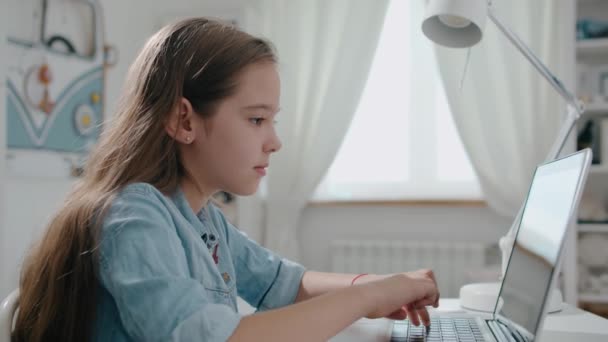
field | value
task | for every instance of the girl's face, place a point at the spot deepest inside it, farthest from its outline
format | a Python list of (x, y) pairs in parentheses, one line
[(231, 150)]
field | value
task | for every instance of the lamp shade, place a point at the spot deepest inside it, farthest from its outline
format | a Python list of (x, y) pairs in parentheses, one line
[(455, 23)]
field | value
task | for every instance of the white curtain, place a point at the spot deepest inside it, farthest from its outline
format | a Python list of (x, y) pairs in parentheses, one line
[(325, 51), (506, 113)]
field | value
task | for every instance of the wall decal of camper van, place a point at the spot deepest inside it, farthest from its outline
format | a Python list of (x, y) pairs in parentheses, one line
[(55, 84)]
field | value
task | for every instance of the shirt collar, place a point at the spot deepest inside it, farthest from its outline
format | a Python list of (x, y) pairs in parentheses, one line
[(181, 202)]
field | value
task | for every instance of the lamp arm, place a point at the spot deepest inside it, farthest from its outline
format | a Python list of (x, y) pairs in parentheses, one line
[(574, 110), (537, 63), (572, 116)]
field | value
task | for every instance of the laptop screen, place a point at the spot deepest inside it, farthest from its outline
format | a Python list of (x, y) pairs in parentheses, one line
[(551, 200)]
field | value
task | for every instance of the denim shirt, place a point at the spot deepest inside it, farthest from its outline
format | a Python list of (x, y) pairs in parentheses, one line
[(168, 274)]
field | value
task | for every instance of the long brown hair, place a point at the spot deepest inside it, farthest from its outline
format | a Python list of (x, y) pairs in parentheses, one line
[(198, 59)]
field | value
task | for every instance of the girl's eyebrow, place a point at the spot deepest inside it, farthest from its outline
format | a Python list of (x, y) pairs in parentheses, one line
[(263, 107)]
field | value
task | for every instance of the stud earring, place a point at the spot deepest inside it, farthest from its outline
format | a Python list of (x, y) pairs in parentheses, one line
[(188, 139)]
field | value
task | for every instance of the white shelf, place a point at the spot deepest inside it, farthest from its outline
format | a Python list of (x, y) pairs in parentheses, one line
[(593, 227), (593, 45), (598, 169), (596, 109), (585, 2), (592, 49), (593, 298)]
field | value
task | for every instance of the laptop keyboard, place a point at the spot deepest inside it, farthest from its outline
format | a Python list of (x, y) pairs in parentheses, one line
[(442, 329)]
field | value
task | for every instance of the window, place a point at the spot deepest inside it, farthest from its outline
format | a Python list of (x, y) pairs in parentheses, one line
[(402, 143)]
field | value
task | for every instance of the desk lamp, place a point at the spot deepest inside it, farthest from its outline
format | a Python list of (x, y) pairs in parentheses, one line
[(460, 24)]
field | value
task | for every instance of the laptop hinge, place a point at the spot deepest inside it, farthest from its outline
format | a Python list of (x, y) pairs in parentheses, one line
[(508, 331), (501, 333)]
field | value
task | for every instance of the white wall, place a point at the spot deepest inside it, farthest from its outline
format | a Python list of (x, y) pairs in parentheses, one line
[(321, 225), (28, 204)]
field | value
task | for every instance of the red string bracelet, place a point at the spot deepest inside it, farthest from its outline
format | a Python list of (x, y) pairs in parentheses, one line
[(357, 277)]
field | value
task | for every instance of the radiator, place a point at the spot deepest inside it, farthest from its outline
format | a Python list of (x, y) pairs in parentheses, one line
[(450, 261)]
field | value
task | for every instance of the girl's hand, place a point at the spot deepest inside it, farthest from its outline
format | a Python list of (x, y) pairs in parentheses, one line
[(403, 295)]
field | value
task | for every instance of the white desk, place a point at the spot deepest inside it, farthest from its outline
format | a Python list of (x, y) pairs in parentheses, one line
[(570, 324)]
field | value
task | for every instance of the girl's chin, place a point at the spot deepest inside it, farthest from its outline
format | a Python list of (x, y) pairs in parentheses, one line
[(246, 190)]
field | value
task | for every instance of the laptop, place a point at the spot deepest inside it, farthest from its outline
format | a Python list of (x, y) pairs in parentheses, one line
[(521, 307)]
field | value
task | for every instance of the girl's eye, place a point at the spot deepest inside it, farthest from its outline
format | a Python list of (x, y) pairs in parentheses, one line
[(256, 121)]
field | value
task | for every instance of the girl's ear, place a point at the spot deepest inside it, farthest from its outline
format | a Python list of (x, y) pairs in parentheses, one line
[(179, 123)]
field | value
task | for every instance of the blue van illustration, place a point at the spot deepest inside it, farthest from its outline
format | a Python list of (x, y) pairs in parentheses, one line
[(55, 84)]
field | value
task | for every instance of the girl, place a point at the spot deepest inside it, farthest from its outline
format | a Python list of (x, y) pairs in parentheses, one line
[(138, 252)]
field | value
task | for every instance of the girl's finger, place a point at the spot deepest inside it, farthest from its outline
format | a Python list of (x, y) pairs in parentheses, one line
[(424, 316), (413, 315), (398, 315)]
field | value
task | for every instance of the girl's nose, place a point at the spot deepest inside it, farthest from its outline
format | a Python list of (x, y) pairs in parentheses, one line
[(274, 144)]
